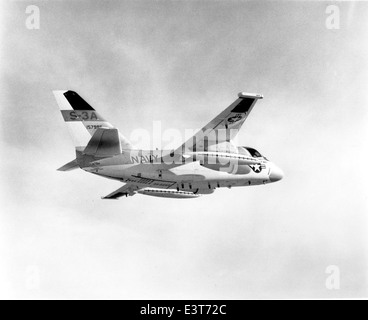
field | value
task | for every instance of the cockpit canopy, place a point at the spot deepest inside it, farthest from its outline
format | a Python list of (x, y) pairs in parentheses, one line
[(250, 152)]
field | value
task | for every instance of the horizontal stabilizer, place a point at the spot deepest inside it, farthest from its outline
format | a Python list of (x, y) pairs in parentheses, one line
[(72, 165), (105, 142)]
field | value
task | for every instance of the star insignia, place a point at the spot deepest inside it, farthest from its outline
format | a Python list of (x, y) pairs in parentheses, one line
[(257, 168), (234, 119)]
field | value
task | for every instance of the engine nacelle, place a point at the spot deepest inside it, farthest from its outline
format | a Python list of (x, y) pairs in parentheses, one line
[(166, 193), (221, 158), (230, 168)]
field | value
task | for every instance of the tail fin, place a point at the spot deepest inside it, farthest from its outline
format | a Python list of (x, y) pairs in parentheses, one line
[(82, 120), (104, 143)]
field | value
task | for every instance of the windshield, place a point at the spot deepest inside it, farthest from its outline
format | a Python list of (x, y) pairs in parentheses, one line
[(253, 152), (245, 151)]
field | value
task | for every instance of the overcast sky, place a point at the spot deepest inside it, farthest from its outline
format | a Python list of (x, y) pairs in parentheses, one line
[(182, 63)]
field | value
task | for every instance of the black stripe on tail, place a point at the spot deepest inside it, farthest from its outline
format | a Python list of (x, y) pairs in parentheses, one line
[(77, 102)]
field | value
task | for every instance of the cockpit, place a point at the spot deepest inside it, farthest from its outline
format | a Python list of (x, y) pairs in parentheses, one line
[(246, 151)]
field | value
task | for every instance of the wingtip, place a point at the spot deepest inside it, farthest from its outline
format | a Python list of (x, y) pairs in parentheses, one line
[(59, 91), (250, 95)]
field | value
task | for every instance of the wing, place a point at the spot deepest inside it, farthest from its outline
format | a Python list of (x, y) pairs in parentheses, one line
[(127, 190), (225, 127)]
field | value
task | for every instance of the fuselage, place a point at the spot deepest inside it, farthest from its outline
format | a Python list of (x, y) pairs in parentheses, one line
[(194, 172)]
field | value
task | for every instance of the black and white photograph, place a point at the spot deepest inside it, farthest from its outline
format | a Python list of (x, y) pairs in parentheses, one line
[(183, 151)]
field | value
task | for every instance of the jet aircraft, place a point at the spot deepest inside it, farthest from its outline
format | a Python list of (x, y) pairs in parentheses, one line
[(206, 162)]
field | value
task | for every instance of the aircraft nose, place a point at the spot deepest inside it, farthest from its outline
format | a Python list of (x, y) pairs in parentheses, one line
[(276, 174)]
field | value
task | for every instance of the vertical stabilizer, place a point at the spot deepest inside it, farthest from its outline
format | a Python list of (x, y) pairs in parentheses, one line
[(82, 119)]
